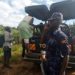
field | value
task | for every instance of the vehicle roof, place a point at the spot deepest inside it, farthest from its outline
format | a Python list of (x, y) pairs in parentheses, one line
[(41, 12)]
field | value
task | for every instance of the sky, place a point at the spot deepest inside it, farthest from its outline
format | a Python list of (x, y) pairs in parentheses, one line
[(12, 12)]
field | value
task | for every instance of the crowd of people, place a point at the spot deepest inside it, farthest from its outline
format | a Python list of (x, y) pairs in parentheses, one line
[(57, 47)]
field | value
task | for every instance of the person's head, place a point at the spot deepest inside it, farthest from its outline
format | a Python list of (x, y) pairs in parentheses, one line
[(8, 29), (55, 20)]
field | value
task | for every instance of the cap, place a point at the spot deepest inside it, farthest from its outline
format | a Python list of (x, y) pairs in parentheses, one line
[(56, 15)]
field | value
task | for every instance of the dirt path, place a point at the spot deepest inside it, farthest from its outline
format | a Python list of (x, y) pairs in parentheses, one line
[(21, 68), (25, 68)]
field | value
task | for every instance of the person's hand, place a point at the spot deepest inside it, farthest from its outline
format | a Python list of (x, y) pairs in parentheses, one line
[(43, 58), (69, 47)]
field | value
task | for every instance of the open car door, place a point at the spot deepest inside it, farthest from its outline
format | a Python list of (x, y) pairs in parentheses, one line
[(67, 8), (40, 12)]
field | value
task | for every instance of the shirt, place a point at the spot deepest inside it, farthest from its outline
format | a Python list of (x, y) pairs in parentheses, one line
[(25, 30), (8, 39), (54, 46)]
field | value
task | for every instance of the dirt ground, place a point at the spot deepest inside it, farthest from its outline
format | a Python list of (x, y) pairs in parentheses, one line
[(25, 68), (21, 68)]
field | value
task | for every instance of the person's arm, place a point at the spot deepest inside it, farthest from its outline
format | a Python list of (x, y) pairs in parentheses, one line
[(65, 59), (45, 30), (64, 65)]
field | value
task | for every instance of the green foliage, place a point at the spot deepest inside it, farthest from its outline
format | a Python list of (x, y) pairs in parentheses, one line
[(72, 27), (16, 53), (15, 33), (1, 52), (1, 30), (26, 30)]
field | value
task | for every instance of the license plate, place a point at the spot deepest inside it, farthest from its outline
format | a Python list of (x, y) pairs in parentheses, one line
[(43, 45)]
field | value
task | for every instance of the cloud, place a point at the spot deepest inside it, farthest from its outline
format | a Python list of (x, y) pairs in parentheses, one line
[(45, 2), (9, 16), (5, 8), (57, 0), (38, 1), (12, 11), (13, 20), (19, 4)]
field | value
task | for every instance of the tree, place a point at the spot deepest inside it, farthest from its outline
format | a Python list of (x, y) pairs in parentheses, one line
[(1, 30), (72, 27), (15, 33)]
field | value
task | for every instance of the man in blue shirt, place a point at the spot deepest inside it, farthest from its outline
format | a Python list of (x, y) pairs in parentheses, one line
[(57, 50)]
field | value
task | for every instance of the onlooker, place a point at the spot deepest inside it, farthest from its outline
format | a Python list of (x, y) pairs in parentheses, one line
[(26, 31), (57, 50), (7, 46)]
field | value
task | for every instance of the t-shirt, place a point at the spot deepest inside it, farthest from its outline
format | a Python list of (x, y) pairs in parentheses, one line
[(54, 48), (25, 30), (8, 39)]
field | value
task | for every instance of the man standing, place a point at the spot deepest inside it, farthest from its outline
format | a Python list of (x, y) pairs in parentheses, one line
[(57, 50), (7, 46), (26, 31)]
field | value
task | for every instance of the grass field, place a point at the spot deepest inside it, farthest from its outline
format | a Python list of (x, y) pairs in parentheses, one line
[(16, 53)]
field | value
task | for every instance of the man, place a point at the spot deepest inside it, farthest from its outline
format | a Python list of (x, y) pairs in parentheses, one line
[(57, 50), (26, 31), (7, 46)]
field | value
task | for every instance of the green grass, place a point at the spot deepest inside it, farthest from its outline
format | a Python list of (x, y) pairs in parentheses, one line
[(1, 52), (16, 53)]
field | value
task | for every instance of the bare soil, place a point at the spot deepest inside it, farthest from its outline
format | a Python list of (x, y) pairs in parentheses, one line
[(21, 68), (25, 68)]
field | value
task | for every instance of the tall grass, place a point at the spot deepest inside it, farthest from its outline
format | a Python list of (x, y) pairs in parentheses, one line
[(16, 53)]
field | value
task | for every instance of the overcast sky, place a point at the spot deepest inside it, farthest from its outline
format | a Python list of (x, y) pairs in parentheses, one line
[(12, 11)]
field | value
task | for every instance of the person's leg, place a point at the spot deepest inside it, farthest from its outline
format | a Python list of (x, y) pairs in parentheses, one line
[(23, 48), (23, 51), (4, 61), (46, 68), (5, 56), (26, 44), (9, 57)]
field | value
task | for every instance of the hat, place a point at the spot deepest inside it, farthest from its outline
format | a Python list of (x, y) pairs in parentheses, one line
[(56, 15)]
